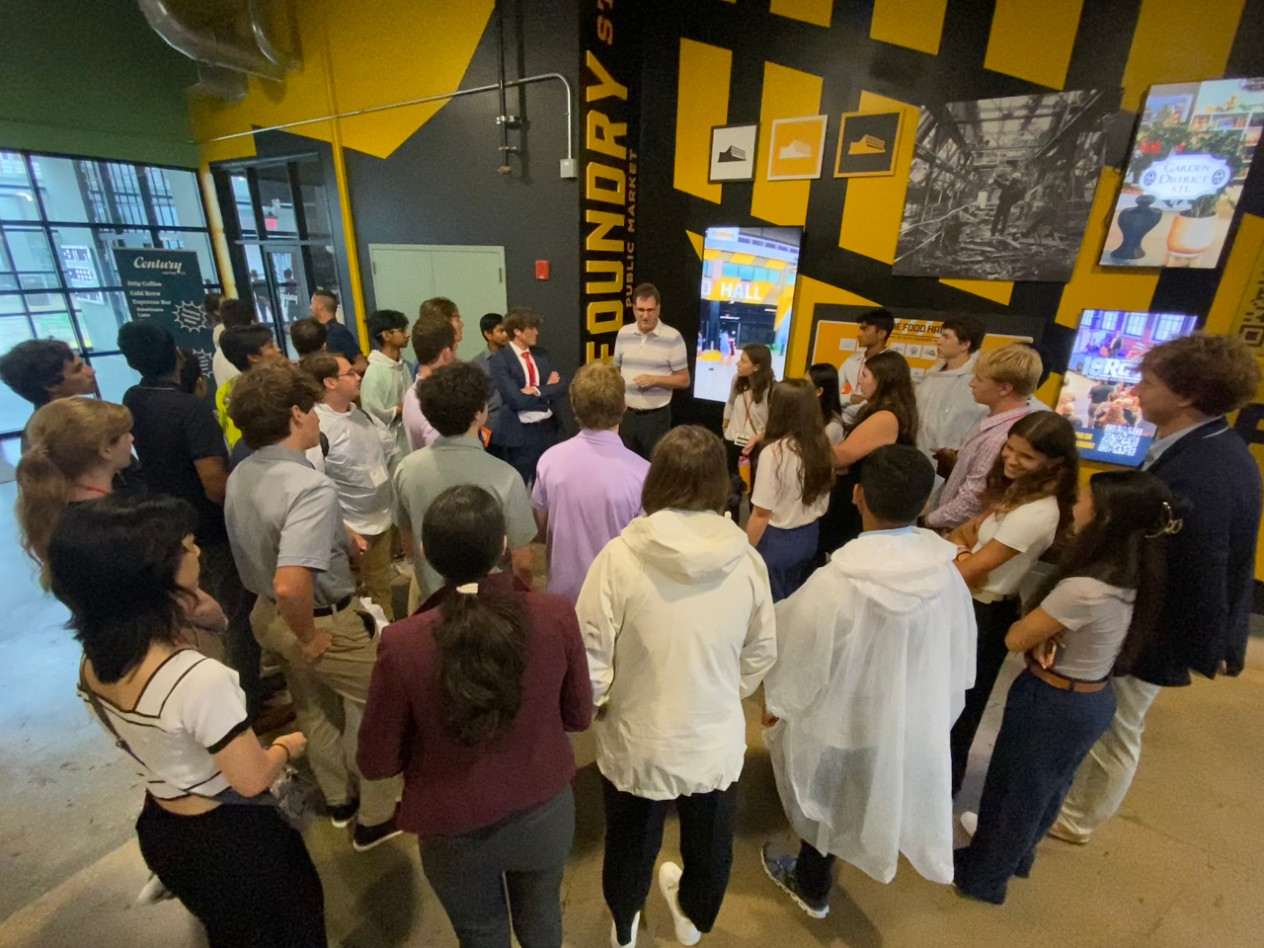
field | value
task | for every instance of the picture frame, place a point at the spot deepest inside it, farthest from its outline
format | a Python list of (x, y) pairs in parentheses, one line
[(868, 144), (732, 153), (796, 148)]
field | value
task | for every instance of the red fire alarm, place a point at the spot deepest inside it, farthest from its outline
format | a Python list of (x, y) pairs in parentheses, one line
[(541, 269)]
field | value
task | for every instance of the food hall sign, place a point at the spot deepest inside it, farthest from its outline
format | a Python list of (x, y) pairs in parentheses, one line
[(1185, 177)]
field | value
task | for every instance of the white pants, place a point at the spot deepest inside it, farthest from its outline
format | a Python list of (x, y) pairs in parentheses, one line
[(1103, 779)]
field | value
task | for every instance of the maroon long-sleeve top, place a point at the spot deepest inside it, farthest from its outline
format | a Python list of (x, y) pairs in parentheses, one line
[(449, 788)]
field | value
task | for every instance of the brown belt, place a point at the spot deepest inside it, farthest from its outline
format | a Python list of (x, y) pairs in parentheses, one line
[(1065, 684)]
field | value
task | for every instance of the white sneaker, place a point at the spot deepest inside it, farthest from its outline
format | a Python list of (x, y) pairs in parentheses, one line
[(970, 822), (614, 933), (669, 884), (153, 892)]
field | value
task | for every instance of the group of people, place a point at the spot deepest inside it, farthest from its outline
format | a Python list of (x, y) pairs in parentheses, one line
[(900, 541)]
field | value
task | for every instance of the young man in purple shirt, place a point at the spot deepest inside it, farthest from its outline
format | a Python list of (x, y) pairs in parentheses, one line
[(588, 488), (1003, 382)]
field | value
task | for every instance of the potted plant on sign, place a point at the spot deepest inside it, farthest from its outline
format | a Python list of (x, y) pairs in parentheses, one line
[(1194, 228)]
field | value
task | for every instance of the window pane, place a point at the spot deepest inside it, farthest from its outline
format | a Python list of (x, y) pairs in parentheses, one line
[(17, 199), (15, 410), (30, 252), (324, 269), (277, 200), (311, 184), (114, 376), (258, 283), (100, 316), (243, 205), (13, 329), (8, 282), (66, 191), (176, 198), (11, 303), (185, 240), (127, 204), (87, 257), (55, 326), (46, 303)]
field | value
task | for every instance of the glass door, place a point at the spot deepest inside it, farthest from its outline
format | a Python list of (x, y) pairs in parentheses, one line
[(292, 296)]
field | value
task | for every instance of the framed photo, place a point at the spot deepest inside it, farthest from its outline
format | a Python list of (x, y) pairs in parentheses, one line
[(867, 144), (797, 147), (733, 153)]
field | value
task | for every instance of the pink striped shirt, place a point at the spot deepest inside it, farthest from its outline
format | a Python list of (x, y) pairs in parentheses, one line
[(962, 497)]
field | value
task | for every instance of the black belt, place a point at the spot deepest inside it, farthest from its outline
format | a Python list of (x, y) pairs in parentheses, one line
[(649, 411), (336, 607)]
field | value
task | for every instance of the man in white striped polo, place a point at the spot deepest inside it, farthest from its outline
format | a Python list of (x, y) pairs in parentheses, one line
[(653, 360)]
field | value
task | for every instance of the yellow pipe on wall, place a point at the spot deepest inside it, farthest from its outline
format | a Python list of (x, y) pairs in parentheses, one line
[(215, 224)]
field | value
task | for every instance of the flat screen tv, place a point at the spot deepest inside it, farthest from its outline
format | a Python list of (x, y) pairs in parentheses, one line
[(748, 277), (1098, 395)]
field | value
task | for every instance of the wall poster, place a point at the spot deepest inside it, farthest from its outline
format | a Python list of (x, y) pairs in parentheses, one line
[(1000, 189), (1194, 147)]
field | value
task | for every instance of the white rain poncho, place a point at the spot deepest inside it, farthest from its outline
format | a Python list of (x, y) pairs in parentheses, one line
[(875, 653)]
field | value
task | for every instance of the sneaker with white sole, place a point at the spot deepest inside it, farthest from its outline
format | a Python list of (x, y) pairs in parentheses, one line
[(669, 884), (1059, 830), (342, 814), (614, 933), (781, 870), (364, 838)]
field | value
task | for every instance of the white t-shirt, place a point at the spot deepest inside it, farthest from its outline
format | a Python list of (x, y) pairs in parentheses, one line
[(834, 431), (358, 465), (744, 418), (191, 708), (1096, 616), (779, 488), (1030, 530)]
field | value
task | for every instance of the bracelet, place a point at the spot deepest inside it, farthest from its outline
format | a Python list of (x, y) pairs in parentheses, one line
[(288, 758)]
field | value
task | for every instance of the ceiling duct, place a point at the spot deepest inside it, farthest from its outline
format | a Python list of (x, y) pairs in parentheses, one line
[(207, 34)]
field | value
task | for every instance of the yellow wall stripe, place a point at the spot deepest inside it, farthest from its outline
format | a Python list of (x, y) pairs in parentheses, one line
[(816, 12), (1236, 279), (873, 207), (916, 24), (998, 291), (787, 93), (1033, 39), (808, 292), (696, 241), (702, 101), (1178, 41)]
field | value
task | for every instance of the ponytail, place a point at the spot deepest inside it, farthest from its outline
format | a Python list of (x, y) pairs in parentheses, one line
[(482, 639), (43, 490)]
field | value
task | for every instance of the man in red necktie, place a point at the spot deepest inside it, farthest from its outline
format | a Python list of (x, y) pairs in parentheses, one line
[(529, 387)]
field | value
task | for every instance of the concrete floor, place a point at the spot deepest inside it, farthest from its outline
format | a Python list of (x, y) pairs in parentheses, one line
[(1179, 866)]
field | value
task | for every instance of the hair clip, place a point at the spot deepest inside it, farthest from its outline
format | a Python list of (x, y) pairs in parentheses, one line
[(468, 589), (1169, 524)]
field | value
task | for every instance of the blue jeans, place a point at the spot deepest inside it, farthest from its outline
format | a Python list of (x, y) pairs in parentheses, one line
[(1045, 734), (788, 554)]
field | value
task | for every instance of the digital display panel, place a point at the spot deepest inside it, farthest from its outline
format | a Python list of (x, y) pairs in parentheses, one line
[(1098, 392), (748, 277)]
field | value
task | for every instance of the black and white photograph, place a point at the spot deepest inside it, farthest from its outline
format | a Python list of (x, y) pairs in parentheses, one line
[(733, 153), (1000, 189)]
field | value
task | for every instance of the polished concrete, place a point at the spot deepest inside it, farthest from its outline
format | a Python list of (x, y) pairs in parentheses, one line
[(1180, 865)]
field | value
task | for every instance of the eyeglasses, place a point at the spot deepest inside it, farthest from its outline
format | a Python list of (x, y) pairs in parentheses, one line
[(351, 374)]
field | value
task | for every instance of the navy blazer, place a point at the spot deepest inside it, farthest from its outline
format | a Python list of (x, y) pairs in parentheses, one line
[(509, 379), (1211, 562)]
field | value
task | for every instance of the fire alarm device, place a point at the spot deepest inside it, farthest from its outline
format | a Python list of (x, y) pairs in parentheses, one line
[(541, 269)]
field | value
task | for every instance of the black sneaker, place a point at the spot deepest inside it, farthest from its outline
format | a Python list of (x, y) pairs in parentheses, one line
[(366, 837), (781, 870), (342, 814)]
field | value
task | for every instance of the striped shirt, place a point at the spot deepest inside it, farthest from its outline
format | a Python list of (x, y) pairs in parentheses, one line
[(661, 351), (190, 709)]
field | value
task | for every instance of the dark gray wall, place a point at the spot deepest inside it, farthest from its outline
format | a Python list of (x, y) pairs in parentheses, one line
[(441, 186)]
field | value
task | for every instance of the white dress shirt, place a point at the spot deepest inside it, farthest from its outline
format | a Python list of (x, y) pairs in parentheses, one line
[(530, 417)]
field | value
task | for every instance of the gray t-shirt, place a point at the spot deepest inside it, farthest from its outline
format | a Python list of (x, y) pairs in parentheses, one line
[(449, 462), (1096, 616), (280, 511)]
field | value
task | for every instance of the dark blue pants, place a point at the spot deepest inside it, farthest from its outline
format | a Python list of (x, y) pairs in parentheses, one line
[(1045, 735), (993, 620), (788, 554), (536, 439)]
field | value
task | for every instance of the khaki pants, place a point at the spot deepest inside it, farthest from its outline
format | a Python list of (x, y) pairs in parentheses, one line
[(376, 572), (329, 696), (1104, 777)]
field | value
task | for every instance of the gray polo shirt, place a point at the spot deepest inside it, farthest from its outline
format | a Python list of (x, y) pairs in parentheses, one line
[(449, 462), (281, 511)]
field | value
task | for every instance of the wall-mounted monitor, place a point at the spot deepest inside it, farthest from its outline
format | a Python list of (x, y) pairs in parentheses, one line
[(1098, 395), (1194, 147), (748, 277)]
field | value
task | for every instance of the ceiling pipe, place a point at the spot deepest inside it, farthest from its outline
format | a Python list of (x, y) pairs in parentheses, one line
[(203, 47), (259, 30)]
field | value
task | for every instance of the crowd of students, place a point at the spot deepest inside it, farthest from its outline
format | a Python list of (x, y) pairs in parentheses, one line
[(900, 541)]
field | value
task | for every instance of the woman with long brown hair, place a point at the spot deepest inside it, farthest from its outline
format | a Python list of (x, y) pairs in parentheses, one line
[(746, 414), (75, 449), (792, 486), (471, 701), (889, 416), (1027, 505), (1099, 612)]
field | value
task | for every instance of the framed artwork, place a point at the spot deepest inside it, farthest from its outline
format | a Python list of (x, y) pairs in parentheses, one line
[(797, 148), (733, 153), (867, 143)]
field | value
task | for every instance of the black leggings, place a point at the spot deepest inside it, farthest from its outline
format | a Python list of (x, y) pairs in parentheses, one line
[(242, 870), (993, 620)]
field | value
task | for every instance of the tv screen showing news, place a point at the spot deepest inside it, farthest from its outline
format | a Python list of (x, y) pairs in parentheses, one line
[(1098, 392), (748, 276)]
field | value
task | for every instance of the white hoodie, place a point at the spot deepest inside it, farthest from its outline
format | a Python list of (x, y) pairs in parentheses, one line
[(875, 654), (678, 622), (946, 409)]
